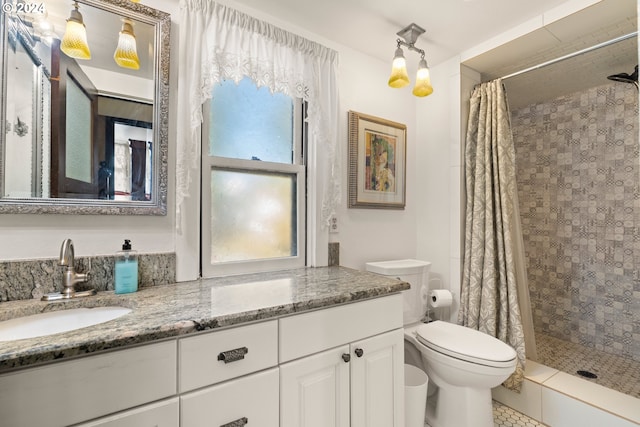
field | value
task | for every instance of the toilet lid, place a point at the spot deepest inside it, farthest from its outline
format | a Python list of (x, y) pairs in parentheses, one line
[(465, 343)]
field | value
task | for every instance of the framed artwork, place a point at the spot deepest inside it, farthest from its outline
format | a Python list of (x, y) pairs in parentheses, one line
[(377, 162)]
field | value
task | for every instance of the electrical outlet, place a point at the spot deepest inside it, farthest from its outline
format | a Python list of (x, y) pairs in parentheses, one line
[(333, 224)]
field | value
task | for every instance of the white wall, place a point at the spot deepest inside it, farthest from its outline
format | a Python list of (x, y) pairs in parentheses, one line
[(365, 234), (376, 234), (27, 236), (427, 229), (439, 152)]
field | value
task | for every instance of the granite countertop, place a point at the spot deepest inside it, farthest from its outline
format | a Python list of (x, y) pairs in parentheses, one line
[(175, 310)]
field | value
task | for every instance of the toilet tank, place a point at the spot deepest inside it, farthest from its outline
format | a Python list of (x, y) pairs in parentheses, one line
[(416, 273)]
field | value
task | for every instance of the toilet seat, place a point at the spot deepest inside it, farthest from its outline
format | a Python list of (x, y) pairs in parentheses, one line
[(465, 344)]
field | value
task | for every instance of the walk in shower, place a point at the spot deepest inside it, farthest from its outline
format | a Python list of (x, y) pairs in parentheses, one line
[(578, 177)]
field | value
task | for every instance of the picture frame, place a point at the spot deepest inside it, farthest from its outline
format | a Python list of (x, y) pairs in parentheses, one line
[(377, 162)]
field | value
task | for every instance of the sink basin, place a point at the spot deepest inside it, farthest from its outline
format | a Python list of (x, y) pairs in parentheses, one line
[(55, 322)]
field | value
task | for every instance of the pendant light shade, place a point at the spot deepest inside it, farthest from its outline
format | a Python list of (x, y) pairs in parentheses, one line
[(423, 80), (74, 42), (399, 77), (126, 54)]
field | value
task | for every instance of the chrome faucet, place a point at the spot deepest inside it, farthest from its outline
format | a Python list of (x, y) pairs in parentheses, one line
[(69, 277)]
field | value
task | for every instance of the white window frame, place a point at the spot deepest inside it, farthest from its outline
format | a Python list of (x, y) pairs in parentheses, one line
[(297, 168)]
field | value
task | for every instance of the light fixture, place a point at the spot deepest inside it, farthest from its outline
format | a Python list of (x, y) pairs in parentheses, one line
[(423, 80), (74, 42), (126, 54), (399, 77)]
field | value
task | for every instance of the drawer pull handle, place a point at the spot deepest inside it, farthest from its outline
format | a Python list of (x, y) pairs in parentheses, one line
[(346, 357), (359, 352), (233, 355), (237, 423)]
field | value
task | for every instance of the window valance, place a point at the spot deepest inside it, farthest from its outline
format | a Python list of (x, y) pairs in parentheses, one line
[(219, 43)]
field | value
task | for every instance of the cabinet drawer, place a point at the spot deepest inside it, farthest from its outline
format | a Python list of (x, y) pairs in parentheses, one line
[(218, 356), (161, 414), (309, 333), (65, 393), (253, 398)]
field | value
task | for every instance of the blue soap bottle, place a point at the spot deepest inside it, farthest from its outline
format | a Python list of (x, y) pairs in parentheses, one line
[(126, 271)]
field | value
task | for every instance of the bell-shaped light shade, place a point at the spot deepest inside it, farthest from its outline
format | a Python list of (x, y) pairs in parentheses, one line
[(423, 80), (126, 54), (74, 42), (399, 77)]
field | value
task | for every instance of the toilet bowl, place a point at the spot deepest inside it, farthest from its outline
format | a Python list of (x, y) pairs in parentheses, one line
[(462, 364)]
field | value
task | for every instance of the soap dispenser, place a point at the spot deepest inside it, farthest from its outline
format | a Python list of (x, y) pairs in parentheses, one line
[(126, 271)]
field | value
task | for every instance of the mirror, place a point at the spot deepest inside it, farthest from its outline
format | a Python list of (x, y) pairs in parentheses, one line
[(79, 135)]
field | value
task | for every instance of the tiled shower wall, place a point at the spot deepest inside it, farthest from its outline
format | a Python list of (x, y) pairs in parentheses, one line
[(577, 165)]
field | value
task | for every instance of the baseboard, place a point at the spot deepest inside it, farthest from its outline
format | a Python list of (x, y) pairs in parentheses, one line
[(558, 399)]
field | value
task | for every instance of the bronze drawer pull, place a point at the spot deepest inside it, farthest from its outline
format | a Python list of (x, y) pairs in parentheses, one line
[(237, 423), (233, 355)]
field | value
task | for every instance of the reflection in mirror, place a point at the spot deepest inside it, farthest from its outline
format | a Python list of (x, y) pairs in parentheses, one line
[(84, 127)]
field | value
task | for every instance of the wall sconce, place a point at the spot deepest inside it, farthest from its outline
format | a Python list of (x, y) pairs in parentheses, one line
[(399, 77), (74, 42), (126, 54)]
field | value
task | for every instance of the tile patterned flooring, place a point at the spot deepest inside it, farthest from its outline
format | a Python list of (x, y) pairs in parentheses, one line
[(614, 372), (503, 416)]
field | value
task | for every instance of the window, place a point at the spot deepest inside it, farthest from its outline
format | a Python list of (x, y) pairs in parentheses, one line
[(253, 181)]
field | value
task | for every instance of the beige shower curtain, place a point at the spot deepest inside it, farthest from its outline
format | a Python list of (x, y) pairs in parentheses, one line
[(494, 282)]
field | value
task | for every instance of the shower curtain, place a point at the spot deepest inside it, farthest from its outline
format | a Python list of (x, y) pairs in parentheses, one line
[(494, 283)]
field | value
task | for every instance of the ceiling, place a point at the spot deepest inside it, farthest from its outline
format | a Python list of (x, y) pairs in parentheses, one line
[(596, 25), (370, 26), (454, 26)]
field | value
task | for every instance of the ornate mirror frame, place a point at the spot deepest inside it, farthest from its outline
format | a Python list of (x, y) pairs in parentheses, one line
[(161, 21)]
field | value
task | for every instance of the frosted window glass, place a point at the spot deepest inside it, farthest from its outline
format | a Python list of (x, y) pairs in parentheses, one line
[(252, 216), (248, 122), (78, 134)]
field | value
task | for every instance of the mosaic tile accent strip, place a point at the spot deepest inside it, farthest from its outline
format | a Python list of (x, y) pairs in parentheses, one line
[(618, 373), (577, 165), (26, 279)]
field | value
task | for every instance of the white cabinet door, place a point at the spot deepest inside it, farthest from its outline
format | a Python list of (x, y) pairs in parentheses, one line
[(161, 414), (377, 381), (314, 391)]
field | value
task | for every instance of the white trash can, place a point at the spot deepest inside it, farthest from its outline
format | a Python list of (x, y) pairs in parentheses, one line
[(415, 396)]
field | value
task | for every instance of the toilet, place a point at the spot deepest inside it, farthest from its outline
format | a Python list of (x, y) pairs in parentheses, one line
[(462, 363)]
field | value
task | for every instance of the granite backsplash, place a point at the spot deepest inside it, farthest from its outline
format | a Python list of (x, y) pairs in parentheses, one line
[(26, 279)]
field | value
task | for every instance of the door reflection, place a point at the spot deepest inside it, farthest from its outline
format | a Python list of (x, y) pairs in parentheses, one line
[(126, 172)]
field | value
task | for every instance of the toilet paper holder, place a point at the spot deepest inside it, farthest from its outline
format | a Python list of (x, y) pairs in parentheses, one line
[(440, 298)]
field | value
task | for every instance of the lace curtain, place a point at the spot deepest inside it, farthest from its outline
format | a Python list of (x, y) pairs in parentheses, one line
[(219, 43)]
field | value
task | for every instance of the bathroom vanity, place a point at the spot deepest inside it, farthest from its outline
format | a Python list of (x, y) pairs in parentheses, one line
[(306, 347)]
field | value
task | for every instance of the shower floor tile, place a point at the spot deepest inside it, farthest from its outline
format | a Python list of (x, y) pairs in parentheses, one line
[(614, 372), (503, 416)]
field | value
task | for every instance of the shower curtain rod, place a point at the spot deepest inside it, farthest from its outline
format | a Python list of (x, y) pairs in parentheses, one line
[(571, 55)]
